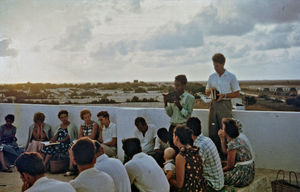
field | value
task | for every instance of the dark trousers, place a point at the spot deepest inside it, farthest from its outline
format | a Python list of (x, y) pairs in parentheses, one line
[(217, 111)]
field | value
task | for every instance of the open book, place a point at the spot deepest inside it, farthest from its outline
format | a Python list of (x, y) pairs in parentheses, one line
[(47, 143)]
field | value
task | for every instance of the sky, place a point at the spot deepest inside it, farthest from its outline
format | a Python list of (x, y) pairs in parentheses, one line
[(71, 41)]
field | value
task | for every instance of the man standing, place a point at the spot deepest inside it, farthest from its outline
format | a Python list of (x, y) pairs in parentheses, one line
[(228, 87), (179, 107), (108, 134)]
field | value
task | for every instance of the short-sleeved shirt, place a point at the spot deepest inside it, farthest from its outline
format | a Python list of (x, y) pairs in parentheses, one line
[(212, 167), (87, 130), (159, 144), (225, 84), (147, 141), (93, 180), (169, 165), (109, 132), (48, 185), (7, 132)]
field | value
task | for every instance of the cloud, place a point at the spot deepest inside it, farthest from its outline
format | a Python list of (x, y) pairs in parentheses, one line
[(281, 36), (174, 37), (5, 51), (113, 49), (76, 37)]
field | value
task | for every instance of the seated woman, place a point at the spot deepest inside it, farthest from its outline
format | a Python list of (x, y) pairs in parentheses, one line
[(89, 128), (8, 146), (38, 132), (65, 134), (239, 167), (188, 163)]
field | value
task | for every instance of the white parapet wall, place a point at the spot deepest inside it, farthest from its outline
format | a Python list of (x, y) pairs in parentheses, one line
[(275, 136)]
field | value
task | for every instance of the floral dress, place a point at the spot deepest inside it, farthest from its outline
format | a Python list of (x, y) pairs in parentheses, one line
[(62, 147), (241, 175), (193, 176)]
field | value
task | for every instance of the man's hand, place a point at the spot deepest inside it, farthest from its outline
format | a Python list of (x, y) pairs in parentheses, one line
[(220, 97), (165, 99), (177, 103)]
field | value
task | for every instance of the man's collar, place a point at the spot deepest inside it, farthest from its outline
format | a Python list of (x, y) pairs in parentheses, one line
[(102, 157)]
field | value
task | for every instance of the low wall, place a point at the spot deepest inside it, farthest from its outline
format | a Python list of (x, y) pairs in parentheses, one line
[(274, 135)]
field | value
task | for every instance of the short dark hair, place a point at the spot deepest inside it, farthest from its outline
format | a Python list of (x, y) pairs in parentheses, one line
[(10, 117), (195, 124), (163, 134), (139, 120), (182, 79), (219, 58), (30, 163), (131, 146), (83, 151), (231, 129), (62, 112), (39, 116), (184, 134), (104, 114)]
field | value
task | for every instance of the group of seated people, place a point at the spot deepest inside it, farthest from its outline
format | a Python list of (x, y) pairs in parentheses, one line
[(150, 163)]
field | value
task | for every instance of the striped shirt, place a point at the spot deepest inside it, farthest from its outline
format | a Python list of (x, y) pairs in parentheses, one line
[(213, 172)]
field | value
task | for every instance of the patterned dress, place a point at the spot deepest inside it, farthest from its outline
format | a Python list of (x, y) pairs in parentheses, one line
[(193, 176), (62, 148), (87, 130), (241, 175)]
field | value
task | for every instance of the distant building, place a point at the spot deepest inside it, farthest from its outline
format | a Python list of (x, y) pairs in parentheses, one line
[(135, 81)]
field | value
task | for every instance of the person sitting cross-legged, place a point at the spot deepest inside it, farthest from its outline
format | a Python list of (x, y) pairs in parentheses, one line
[(113, 167), (239, 168), (89, 179), (32, 172), (212, 166), (143, 171)]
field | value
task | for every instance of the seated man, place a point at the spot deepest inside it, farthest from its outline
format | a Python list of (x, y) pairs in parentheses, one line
[(32, 171), (90, 179), (142, 169), (113, 167), (146, 134), (107, 134), (211, 161)]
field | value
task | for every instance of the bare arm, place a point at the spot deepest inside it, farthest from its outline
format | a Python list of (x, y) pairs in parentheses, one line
[(112, 143), (221, 134), (169, 175), (230, 160), (180, 170), (94, 131), (80, 132)]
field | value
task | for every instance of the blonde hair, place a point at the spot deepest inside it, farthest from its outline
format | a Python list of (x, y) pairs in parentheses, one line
[(84, 112), (169, 153)]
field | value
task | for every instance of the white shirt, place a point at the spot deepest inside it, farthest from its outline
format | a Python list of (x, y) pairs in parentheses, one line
[(116, 170), (92, 180), (159, 144), (147, 142), (225, 84), (49, 185), (146, 175), (109, 132)]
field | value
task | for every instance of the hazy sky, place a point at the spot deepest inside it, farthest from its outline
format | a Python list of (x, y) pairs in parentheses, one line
[(149, 40)]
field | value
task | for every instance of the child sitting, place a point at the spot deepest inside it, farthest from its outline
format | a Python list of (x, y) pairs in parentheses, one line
[(169, 165)]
